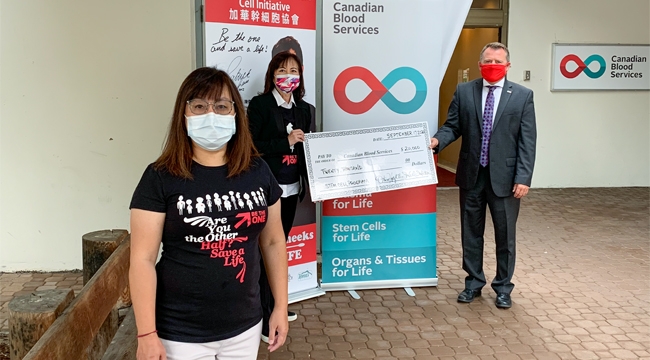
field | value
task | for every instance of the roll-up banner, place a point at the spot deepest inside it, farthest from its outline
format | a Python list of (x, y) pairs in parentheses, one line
[(241, 36), (383, 62)]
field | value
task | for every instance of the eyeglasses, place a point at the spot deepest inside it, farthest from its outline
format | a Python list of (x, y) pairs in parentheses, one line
[(200, 107)]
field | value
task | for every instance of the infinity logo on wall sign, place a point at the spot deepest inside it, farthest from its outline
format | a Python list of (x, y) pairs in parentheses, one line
[(379, 90), (582, 66)]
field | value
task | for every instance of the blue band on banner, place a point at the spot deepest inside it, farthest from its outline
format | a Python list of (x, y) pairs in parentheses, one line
[(378, 231), (378, 247), (379, 264)]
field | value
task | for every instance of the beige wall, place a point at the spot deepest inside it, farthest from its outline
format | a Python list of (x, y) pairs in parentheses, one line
[(585, 139), (466, 54), (86, 91)]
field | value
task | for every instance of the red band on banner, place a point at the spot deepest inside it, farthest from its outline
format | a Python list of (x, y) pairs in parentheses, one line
[(294, 14), (417, 200), (301, 245)]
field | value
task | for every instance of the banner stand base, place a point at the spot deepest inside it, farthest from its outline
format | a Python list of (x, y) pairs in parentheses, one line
[(409, 291), (379, 284), (305, 294), (354, 294)]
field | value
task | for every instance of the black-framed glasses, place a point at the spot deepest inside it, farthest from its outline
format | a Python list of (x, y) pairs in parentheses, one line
[(201, 107)]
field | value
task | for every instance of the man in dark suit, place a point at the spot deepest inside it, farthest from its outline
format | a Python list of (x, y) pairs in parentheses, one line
[(496, 120)]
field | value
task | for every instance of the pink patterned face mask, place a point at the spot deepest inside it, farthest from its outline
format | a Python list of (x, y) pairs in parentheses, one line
[(287, 83)]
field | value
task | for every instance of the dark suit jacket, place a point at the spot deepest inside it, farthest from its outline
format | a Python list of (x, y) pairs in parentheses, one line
[(512, 143), (270, 134)]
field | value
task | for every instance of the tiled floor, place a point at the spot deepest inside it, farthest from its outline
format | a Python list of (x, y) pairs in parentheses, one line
[(583, 292), (16, 284)]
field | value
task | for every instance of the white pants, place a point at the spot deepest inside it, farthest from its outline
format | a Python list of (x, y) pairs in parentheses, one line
[(241, 347)]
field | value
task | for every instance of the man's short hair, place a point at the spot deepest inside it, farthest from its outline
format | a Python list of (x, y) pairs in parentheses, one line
[(287, 43), (495, 46)]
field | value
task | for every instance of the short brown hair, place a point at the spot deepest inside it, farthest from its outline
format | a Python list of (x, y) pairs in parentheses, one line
[(276, 62), (495, 46), (176, 157)]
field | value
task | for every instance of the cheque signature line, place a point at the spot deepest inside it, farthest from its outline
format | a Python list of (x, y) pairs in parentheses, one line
[(401, 176), (394, 180)]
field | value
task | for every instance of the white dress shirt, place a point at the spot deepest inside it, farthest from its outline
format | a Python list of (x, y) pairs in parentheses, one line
[(497, 95), (280, 100)]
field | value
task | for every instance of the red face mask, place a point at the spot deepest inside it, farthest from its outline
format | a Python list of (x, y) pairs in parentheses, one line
[(494, 72)]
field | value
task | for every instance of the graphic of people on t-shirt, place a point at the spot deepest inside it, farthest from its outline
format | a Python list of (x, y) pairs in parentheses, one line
[(226, 202), (261, 196), (230, 201), (200, 206), (180, 205), (225, 231), (189, 206), (248, 201), (208, 202), (240, 202), (232, 197), (217, 201)]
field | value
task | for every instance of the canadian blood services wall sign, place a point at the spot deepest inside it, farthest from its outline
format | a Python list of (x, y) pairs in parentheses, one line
[(600, 67)]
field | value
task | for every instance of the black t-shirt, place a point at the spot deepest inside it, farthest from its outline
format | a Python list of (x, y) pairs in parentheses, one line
[(289, 173), (207, 278)]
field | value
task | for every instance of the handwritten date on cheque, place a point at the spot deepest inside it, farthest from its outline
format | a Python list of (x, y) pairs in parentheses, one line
[(400, 135)]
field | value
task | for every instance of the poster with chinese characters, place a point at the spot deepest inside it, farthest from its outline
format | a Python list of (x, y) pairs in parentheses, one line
[(240, 37)]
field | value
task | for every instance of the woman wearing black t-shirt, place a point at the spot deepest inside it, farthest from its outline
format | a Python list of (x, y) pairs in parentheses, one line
[(278, 121), (213, 203)]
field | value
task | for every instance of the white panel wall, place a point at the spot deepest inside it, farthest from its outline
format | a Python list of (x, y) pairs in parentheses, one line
[(86, 94), (585, 139)]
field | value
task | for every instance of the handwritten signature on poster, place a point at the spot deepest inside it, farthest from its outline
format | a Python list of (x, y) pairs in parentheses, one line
[(239, 44), (240, 76)]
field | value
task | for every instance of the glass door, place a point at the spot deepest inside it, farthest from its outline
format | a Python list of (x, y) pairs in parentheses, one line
[(485, 23)]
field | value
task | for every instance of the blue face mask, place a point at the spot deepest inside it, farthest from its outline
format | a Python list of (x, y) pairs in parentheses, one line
[(211, 131)]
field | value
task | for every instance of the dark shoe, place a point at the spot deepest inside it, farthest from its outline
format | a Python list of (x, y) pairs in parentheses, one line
[(467, 296), (291, 316), (503, 301)]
